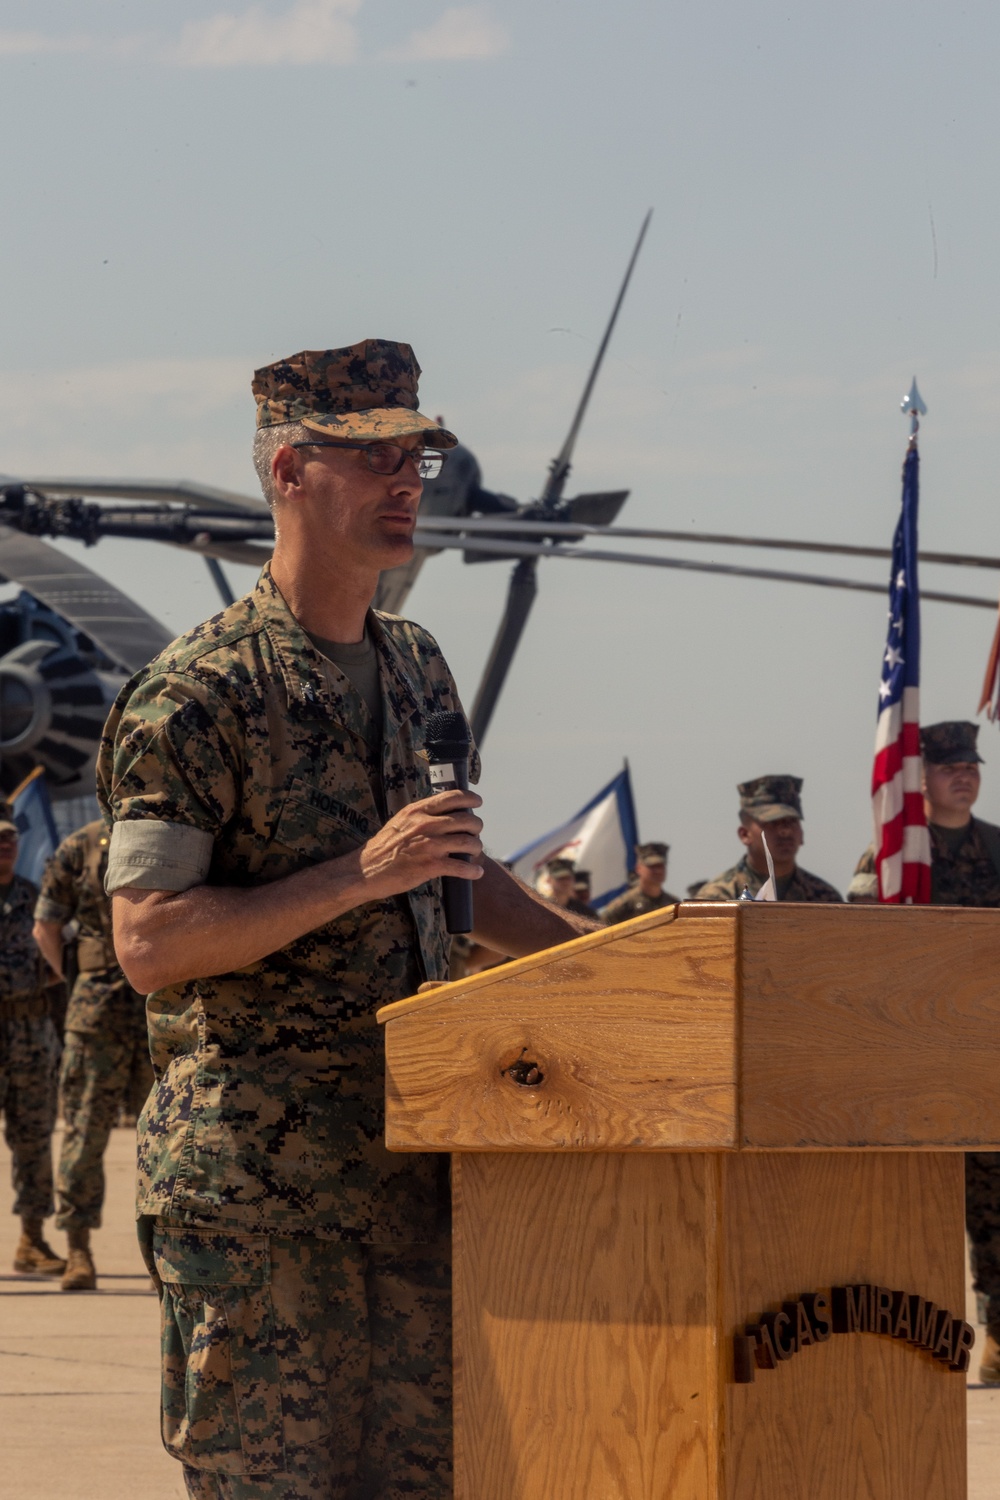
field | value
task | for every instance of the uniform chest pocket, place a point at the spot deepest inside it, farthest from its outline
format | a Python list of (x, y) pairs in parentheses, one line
[(315, 824)]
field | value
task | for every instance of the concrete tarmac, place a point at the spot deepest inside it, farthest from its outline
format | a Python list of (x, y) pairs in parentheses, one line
[(79, 1377)]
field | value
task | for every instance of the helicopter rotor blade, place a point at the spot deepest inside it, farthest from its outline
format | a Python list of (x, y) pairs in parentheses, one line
[(248, 554), (180, 491), (520, 597), (561, 464), (535, 550), (573, 530), (523, 583), (119, 626)]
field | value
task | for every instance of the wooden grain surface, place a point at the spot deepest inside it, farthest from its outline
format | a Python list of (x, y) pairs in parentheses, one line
[(518, 966), (585, 1366), (860, 1417), (633, 1040), (869, 1026)]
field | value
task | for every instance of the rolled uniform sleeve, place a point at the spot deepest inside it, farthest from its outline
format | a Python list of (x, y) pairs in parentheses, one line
[(157, 856), (169, 780)]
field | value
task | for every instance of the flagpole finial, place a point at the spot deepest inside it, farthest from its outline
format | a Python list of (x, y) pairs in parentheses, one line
[(912, 406)]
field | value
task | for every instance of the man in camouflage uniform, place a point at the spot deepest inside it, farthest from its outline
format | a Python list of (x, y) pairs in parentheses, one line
[(771, 810), (275, 866), (562, 886), (965, 871), (29, 1052), (647, 894), (105, 1059), (582, 882)]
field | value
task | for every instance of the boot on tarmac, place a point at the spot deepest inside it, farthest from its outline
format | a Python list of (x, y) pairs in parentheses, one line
[(33, 1256), (989, 1369), (80, 1274)]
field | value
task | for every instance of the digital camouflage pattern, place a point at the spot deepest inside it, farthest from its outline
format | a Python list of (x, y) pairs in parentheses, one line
[(102, 1002), (302, 1368), (97, 1079), (20, 962), (29, 1053), (952, 742), (105, 1060), (768, 798), (968, 876), (268, 1107), (632, 903), (366, 391), (800, 886), (982, 1219)]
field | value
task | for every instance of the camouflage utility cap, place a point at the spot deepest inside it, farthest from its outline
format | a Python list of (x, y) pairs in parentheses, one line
[(950, 743), (557, 867), (769, 798), (652, 854), (367, 391)]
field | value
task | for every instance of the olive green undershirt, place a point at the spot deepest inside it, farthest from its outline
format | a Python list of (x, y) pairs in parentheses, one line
[(359, 663)]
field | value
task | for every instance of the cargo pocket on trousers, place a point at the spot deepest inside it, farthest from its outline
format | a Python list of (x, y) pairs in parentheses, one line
[(221, 1379)]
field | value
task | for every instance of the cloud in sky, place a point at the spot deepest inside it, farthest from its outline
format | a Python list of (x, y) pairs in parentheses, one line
[(462, 33), (312, 31), (305, 32)]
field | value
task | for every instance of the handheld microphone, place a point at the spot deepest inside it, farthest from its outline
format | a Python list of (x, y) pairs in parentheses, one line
[(448, 744)]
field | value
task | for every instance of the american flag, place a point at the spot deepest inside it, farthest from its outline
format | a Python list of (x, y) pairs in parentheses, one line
[(902, 843)]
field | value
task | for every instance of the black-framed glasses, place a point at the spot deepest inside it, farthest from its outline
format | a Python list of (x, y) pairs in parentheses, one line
[(389, 458)]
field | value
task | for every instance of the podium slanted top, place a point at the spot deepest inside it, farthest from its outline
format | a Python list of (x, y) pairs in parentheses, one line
[(717, 1027)]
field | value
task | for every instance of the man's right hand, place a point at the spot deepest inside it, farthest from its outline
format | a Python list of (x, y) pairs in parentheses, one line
[(419, 843), (166, 937)]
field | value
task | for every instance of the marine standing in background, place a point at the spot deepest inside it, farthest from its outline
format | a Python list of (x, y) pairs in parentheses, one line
[(771, 809), (647, 894), (965, 871), (105, 1061), (582, 881), (562, 887), (29, 1052)]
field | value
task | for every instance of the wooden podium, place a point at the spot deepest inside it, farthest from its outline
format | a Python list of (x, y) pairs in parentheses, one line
[(676, 1143)]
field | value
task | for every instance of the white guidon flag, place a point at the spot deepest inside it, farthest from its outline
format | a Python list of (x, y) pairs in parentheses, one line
[(601, 838)]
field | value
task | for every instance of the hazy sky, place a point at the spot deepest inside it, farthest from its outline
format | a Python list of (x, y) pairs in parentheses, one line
[(190, 191)]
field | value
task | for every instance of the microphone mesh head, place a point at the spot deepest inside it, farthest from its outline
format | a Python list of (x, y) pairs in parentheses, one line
[(449, 727)]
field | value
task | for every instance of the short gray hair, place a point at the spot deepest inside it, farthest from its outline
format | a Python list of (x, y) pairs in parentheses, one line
[(266, 442)]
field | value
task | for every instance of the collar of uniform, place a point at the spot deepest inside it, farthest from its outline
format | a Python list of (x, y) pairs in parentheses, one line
[(305, 672), (306, 683), (402, 686)]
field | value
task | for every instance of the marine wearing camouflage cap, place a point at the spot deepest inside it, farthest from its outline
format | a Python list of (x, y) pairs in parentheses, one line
[(950, 743), (279, 794), (366, 391), (559, 866), (768, 798), (647, 893)]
